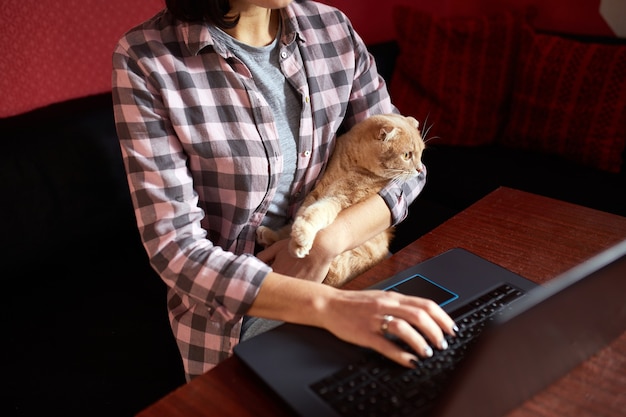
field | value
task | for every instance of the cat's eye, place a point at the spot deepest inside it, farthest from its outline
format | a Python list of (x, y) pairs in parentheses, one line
[(408, 156)]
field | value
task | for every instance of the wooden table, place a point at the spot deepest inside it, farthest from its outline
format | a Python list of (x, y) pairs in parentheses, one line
[(534, 236)]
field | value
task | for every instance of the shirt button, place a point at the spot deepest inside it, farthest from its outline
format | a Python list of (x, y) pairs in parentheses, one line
[(283, 55), (306, 153), (307, 99)]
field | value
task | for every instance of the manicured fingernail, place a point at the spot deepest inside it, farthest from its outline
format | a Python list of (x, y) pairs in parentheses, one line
[(455, 328), (428, 351), (443, 344)]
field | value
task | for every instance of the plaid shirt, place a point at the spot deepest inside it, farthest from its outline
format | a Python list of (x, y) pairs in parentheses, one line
[(203, 159)]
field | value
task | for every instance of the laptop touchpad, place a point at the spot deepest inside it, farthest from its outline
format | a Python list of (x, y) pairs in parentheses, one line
[(420, 286)]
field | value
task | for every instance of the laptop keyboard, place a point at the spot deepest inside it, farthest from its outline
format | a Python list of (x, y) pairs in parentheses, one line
[(376, 386)]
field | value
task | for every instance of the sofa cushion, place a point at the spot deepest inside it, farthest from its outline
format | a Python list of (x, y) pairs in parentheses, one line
[(63, 183), (458, 176), (455, 73), (569, 99)]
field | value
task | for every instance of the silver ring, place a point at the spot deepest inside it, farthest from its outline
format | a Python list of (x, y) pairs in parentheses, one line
[(384, 327)]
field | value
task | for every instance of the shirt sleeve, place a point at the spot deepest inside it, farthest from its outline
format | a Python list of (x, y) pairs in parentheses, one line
[(166, 204), (399, 197)]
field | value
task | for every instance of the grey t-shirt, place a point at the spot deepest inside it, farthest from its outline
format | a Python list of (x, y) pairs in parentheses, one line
[(263, 63)]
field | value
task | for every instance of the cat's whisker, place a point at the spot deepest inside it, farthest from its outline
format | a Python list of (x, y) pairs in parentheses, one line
[(399, 175), (431, 138), (426, 131), (425, 137)]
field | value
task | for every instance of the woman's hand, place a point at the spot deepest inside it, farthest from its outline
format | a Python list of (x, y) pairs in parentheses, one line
[(312, 267), (368, 318)]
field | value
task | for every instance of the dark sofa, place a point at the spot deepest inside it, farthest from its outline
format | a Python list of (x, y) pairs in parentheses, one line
[(87, 327), (86, 320)]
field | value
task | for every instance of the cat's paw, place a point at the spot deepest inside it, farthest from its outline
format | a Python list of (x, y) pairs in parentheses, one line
[(302, 237), (299, 251), (266, 236)]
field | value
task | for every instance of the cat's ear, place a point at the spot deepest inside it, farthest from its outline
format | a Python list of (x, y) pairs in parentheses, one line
[(413, 121), (387, 133)]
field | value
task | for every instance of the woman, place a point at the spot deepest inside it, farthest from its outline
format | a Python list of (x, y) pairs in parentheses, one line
[(227, 112)]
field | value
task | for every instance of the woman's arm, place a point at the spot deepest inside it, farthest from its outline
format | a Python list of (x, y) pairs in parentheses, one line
[(357, 316), (354, 316), (353, 226)]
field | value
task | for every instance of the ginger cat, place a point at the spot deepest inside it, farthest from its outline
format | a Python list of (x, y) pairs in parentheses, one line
[(375, 151)]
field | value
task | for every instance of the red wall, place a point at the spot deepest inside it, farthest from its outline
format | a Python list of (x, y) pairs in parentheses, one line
[(55, 50), (61, 49)]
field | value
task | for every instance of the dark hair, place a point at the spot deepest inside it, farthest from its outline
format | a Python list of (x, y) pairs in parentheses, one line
[(212, 11)]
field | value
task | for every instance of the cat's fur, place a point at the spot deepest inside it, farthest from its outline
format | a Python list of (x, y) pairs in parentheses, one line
[(375, 151)]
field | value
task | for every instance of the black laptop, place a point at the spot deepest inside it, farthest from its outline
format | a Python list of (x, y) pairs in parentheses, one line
[(515, 339)]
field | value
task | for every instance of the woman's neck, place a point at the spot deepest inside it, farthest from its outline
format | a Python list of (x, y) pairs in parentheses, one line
[(257, 26)]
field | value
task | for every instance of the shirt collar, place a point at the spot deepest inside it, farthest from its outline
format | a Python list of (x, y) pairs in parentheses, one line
[(197, 36)]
